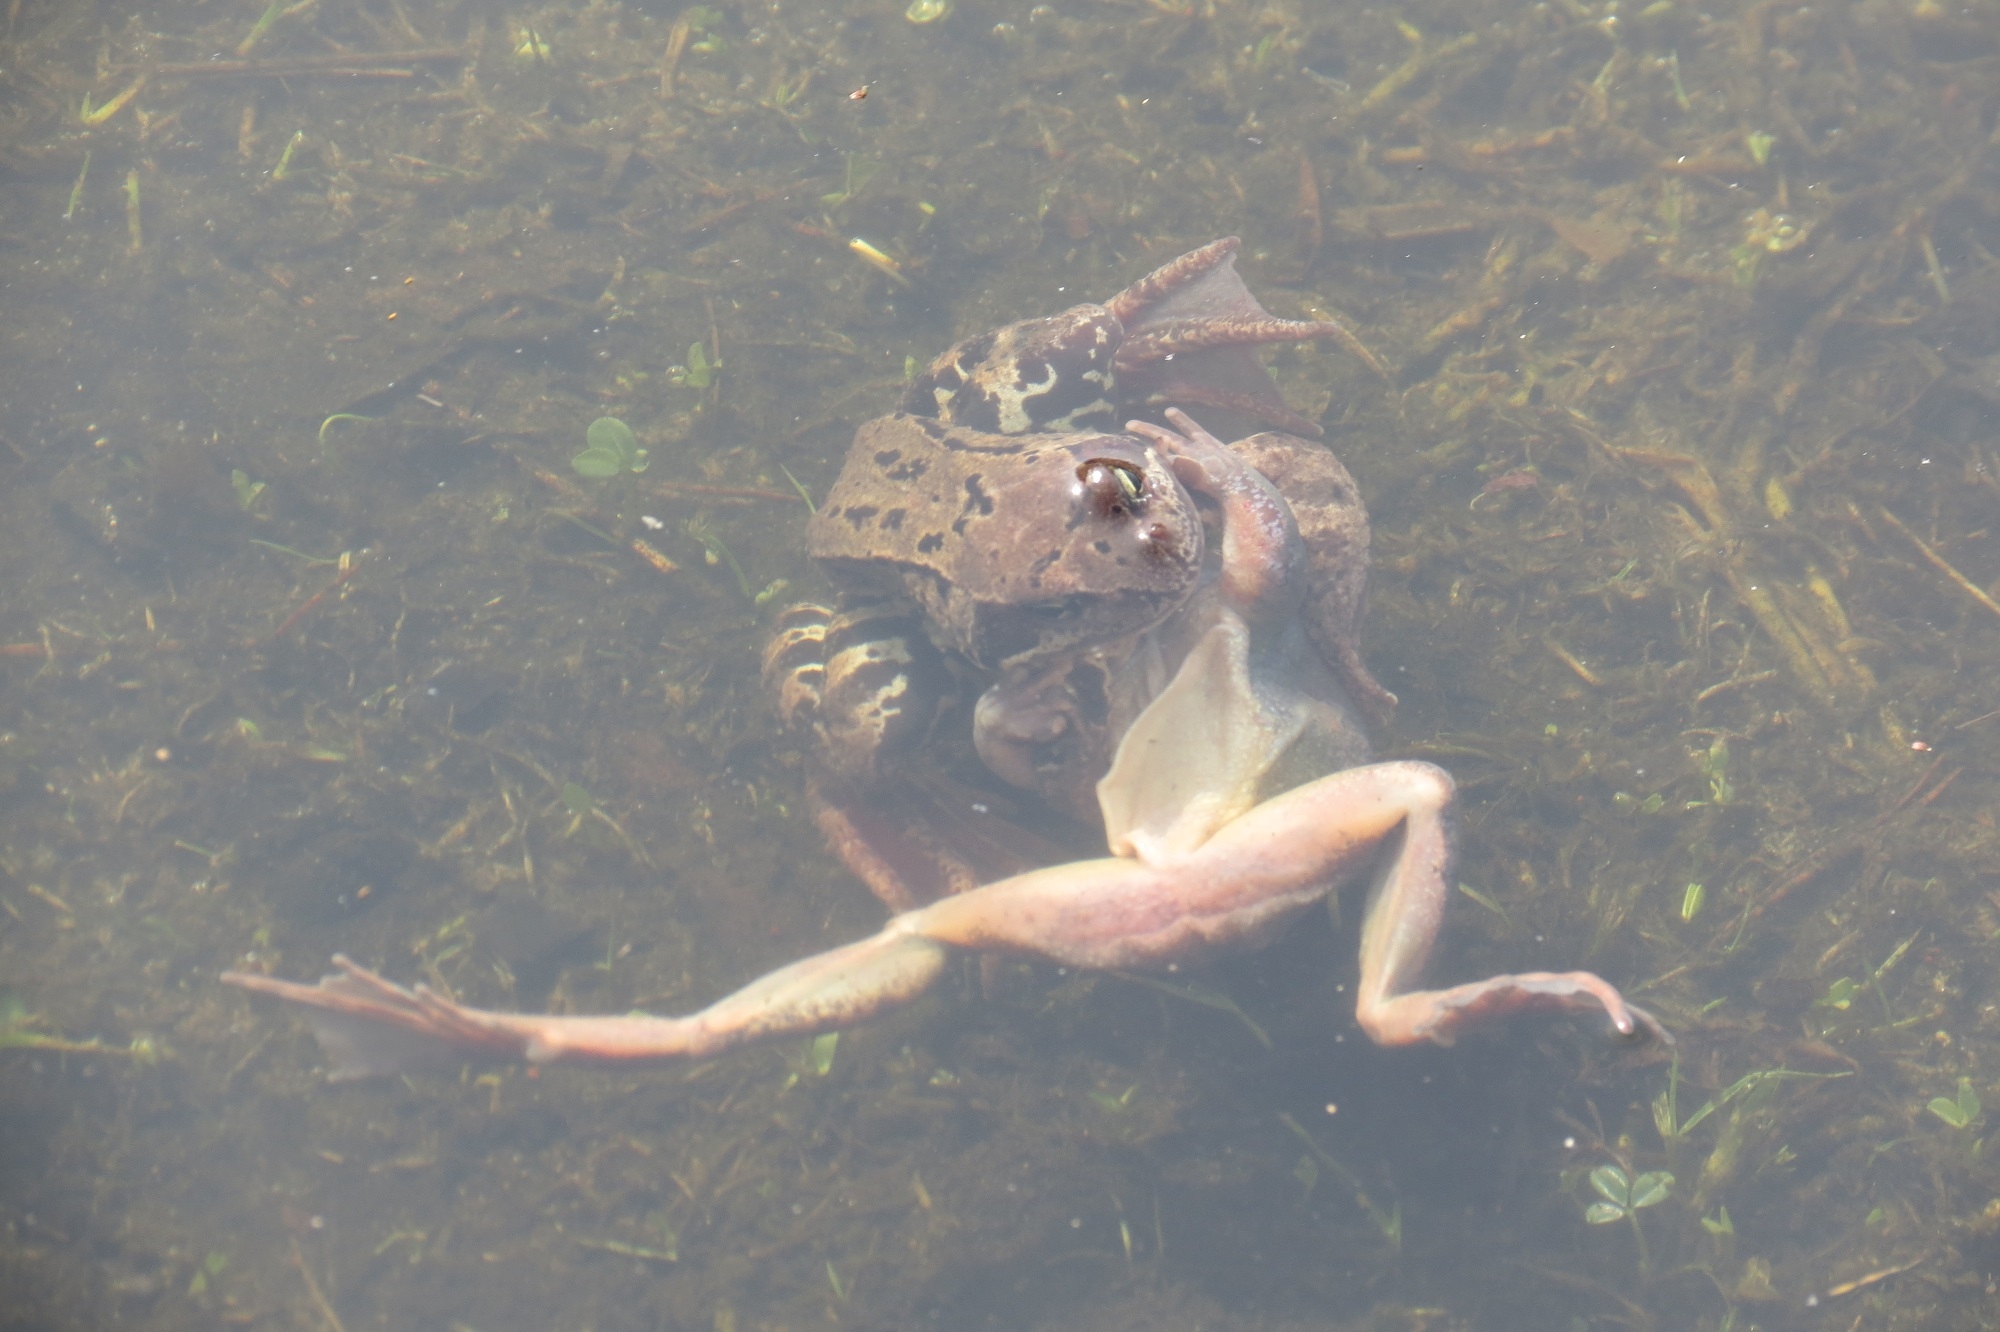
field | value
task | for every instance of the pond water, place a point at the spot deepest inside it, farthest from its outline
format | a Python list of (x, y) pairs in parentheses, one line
[(1673, 391)]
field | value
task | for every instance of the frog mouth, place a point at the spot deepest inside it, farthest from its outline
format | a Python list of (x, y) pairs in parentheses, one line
[(1006, 637)]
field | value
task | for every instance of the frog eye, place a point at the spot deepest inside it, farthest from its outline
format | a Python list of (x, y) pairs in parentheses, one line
[(1113, 488)]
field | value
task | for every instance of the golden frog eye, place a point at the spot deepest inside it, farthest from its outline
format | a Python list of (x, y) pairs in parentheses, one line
[(1112, 487)]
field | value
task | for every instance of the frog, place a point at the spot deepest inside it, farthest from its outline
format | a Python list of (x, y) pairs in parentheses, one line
[(997, 532), (1229, 807)]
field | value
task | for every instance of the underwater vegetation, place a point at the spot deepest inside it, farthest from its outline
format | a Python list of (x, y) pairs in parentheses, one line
[(1672, 403)]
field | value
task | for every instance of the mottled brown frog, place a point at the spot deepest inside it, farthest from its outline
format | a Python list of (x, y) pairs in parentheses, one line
[(999, 523), (1229, 807)]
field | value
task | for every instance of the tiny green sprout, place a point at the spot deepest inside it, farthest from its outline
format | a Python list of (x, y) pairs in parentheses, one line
[(76, 190), (577, 800), (822, 1052), (529, 45), (211, 1267), (339, 416), (1743, 261), (717, 552), (246, 490), (1719, 1225), (1620, 1197), (701, 21), (1681, 97), (1653, 803), (1839, 995), (1692, 899), (609, 449), (1958, 1111), (698, 373), (799, 486), (1483, 900), (284, 167), (910, 367), (1715, 767), (833, 1279), (1552, 731), (1115, 1104), (1759, 144)]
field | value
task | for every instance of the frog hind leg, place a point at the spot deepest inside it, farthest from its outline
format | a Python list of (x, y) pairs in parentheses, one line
[(1191, 327), (370, 1027), (1406, 904)]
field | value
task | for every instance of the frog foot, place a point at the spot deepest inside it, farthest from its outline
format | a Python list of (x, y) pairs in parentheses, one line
[(1190, 327)]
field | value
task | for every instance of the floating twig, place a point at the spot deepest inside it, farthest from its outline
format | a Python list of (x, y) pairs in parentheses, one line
[(313, 1291), (297, 66), (1740, 682), (348, 567), (1943, 565), (1583, 672)]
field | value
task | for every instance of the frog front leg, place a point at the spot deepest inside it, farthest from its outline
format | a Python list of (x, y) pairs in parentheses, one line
[(866, 683)]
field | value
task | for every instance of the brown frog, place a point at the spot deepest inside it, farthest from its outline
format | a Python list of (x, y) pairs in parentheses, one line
[(1211, 847), (1237, 794), (994, 528)]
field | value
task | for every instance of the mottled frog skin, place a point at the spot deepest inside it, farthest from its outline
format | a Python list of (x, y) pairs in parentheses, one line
[(1163, 625), (1230, 805), (1000, 523)]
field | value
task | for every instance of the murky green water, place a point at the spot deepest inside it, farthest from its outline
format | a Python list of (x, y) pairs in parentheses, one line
[(1677, 417)]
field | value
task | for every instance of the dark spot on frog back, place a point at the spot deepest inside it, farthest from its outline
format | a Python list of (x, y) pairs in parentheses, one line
[(976, 499)]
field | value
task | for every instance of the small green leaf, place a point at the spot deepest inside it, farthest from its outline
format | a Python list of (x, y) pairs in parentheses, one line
[(1652, 1187), (577, 799), (1611, 1182), (1115, 1104), (1958, 1111), (1839, 994), (1947, 1109), (247, 490), (612, 435), (822, 1052), (1720, 1224), (699, 373), (597, 464), (1603, 1213), (1691, 901), (611, 449)]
